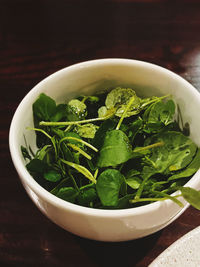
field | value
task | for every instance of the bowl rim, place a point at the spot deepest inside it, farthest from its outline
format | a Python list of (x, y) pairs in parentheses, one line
[(28, 180)]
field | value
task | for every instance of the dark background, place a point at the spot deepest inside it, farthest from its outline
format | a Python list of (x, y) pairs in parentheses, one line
[(38, 38)]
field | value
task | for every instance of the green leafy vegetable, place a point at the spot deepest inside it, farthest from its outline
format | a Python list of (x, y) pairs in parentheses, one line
[(87, 195), (176, 153), (133, 180), (192, 196), (76, 110), (87, 130), (44, 107), (119, 98), (189, 170), (161, 112), (67, 193), (100, 134), (36, 165), (112, 151), (52, 176), (108, 186), (116, 149)]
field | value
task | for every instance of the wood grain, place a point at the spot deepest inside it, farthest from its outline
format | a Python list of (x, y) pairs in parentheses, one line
[(38, 38)]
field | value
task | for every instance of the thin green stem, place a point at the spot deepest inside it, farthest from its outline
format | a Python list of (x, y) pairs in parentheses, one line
[(50, 137), (173, 198), (157, 199), (76, 148), (80, 141), (138, 149), (39, 130), (66, 123), (96, 173), (86, 186), (68, 128), (125, 112), (158, 184), (148, 199), (154, 100), (140, 189), (80, 169), (74, 181), (84, 99), (150, 161)]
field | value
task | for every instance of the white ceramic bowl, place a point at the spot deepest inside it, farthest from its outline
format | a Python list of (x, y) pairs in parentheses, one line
[(146, 79)]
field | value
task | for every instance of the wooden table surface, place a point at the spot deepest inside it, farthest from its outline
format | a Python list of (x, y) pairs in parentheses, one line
[(39, 37)]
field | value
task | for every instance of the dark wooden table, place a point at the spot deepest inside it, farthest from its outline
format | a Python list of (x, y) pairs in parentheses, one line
[(39, 37)]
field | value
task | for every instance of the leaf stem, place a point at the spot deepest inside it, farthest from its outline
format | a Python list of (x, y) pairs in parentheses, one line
[(125, 111), (154, 100), (173, 198), (140, 189), (39, 130), (148, 199), (50, 137), (79, 150), (80, 169), (149, 160), (74, 181), (68, 128), (138, 149), (65, 123), (96, 173), (79, 140), (156, 199)]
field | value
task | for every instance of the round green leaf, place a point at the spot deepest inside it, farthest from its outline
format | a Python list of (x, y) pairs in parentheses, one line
[(116, 149), (108, 186), (52, 176), (176, 153)]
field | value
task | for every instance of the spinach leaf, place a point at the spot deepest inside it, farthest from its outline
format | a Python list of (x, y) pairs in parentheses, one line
[(52, 176), (108, 186), (92, 99), (146, 173), (87, 196), (37, 166), (60, 112), (134, 182), (124, 202), (102, 112), (189, 170), (134, 128), (176, 153), (158, 115), (76, 110), (162, 112), (44, 107), (192, 196), (119, 98), (116, 149), (67, 193), (132, 179), (101, 132), (87, 130)]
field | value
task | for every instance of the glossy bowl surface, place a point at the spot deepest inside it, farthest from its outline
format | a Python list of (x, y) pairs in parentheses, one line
[(88, 77)]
